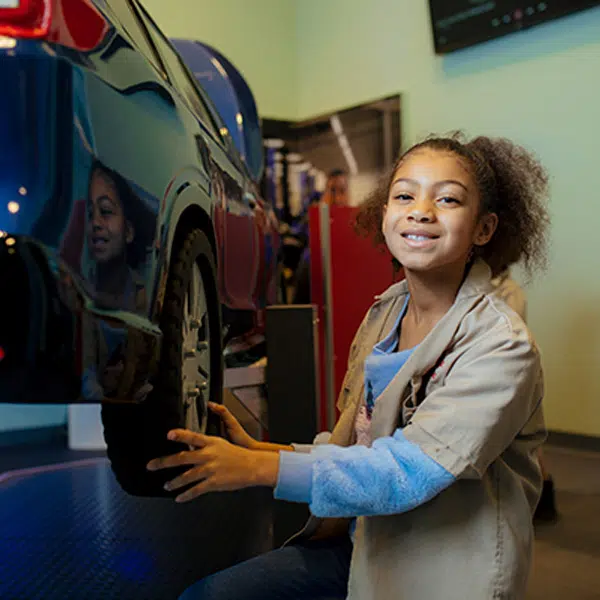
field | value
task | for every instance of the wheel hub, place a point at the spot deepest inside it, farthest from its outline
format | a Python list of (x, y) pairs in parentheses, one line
[(196, 354)]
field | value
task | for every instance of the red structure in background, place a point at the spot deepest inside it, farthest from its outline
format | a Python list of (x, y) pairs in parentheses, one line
[(347, 272)]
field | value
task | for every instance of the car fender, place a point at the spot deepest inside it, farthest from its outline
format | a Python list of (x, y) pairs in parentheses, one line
[(193, 206)]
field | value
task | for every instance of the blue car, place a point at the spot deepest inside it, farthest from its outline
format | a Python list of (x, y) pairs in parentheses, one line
[(135, 248)]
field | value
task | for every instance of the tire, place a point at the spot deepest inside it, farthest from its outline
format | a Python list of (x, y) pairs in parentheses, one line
[(187, 377)]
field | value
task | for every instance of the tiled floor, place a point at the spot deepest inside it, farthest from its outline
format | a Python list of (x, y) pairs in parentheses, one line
[(567, 554)]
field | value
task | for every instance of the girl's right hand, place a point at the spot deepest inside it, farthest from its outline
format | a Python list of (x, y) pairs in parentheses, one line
[(235, 432)]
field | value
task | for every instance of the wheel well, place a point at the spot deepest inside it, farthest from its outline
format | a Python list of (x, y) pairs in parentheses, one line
[(194, 217)]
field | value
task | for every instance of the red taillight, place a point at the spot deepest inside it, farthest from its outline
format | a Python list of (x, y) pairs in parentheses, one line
[(73, 23), (25, 18)]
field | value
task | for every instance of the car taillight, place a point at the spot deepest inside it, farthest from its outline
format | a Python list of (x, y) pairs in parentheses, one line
[(74, 23), (25, 18)]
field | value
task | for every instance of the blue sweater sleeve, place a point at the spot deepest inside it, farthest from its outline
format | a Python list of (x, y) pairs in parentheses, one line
[(391, 477)]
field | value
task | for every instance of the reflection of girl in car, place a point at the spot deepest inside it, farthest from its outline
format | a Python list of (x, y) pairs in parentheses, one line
[(114, 223), (112, 242)]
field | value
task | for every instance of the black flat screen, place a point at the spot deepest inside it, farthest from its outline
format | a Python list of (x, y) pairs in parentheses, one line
[(460, 23)]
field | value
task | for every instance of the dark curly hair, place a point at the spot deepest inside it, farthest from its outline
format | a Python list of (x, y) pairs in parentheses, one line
[(512, 184)]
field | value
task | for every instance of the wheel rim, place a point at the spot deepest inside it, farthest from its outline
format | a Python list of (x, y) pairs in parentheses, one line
[(196, 354)]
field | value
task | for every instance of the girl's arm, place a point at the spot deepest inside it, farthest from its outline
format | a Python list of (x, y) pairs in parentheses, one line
[(391, 477), (270, 447)]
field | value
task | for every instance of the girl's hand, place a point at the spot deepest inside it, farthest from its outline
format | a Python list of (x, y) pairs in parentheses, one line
[(217, 466), (235, 432)]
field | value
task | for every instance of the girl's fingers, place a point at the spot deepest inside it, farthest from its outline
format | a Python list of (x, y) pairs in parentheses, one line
[(173, 460), (191, 438), (194, 475), (198, 490), (222, 411)]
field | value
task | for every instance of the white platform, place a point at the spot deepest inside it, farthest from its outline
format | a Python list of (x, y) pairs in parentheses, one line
[(85, 427)]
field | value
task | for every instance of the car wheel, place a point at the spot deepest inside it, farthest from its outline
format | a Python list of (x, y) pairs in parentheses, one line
[(192, 365), (190, 374)]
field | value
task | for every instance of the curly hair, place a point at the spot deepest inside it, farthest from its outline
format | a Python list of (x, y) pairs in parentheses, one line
[(511, 183)]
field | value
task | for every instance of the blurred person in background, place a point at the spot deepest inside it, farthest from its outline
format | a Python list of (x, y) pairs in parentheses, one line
[(336, 189)]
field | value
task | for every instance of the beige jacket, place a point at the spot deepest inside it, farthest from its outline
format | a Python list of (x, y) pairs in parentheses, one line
[(509, 290), (470, 397)]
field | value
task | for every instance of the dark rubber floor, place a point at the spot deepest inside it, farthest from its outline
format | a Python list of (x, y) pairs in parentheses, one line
[(72, 533)]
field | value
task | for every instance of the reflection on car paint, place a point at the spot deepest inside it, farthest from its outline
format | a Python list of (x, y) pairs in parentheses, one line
[(100, 172), (118, 237)]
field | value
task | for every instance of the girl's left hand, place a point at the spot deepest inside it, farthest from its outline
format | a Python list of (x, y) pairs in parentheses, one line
[(218, 465)]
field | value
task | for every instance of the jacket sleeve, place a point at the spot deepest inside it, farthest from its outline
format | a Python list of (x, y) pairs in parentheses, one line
[(511, 292), (320, 439), (487, 398), (391, 477)]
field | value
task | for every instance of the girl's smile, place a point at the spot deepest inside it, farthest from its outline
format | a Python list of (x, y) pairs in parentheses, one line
[(432, 217)]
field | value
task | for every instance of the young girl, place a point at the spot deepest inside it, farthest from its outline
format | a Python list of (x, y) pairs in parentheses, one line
[(427, 486)]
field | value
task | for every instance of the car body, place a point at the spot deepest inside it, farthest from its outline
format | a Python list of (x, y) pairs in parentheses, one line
[(111, 153)]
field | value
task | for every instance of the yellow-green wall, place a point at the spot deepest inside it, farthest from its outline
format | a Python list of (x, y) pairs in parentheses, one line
[(540, 87), (257, 36)]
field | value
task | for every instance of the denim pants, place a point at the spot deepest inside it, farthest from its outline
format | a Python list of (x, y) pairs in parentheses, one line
[(311, 570)]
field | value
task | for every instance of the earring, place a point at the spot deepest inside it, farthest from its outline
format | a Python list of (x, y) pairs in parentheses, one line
[(471, 254)]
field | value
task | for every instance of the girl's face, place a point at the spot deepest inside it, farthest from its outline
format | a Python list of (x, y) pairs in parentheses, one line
[(107, 229), (432, 218)]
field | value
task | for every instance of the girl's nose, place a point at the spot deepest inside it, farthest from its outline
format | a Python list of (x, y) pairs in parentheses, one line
[(422, 211)]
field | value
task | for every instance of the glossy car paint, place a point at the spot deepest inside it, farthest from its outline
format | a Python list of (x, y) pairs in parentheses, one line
[(230, 92), (78, 126)]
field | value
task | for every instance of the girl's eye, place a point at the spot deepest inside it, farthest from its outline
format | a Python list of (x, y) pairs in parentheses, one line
[(448, 200), (403, 197), (106, 212)]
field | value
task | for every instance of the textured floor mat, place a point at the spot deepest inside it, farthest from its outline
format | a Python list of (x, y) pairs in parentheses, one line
[(72, 533)]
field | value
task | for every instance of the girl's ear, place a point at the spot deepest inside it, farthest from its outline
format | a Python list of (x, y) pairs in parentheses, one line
[(129, 232), (384, 212), (485, 229)]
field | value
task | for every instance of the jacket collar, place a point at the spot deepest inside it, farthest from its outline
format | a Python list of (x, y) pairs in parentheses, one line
[(477, 282)]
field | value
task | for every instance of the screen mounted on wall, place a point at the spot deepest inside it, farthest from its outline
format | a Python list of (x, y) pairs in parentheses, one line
[(461, 23)]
